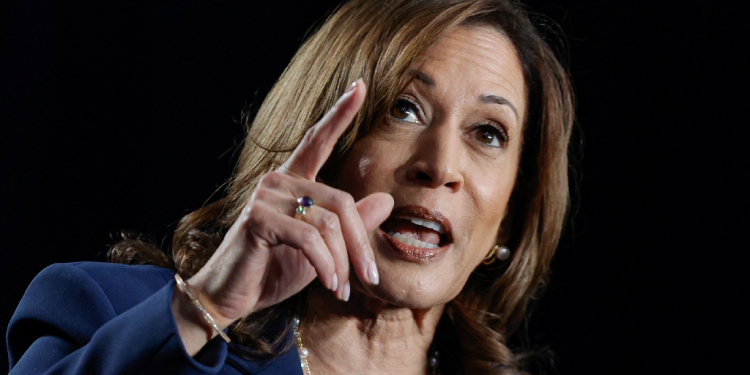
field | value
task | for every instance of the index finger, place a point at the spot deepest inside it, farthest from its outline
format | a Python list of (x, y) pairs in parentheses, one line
[(319, 141)]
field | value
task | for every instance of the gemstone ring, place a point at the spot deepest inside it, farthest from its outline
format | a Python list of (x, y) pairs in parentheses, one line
[(304, 203)]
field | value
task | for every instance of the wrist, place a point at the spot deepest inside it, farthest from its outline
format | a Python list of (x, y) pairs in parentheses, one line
[(203, 312), (202, 289), (194, 332)]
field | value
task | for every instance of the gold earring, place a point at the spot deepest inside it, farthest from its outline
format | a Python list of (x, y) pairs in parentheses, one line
[(490, 258), (497, 252)]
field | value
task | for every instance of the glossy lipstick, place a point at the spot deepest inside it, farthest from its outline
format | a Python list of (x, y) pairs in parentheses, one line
[(420, 254)]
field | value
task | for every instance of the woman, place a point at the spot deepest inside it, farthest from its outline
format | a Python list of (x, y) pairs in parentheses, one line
[(407, 147)]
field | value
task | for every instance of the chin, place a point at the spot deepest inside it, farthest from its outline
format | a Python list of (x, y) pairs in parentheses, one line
[(414, 282), (396, 293)]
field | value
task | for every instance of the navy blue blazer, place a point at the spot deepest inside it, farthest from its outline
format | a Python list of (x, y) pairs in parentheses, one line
[(104, 318)]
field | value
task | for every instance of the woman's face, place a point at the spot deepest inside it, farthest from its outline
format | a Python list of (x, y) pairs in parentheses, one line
[(448, 154)]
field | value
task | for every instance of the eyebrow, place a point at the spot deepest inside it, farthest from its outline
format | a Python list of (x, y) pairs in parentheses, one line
[(487, 98), (422, 76), (499, 100)]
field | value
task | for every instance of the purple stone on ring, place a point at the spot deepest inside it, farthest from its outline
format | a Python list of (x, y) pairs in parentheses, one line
[(306, 201)]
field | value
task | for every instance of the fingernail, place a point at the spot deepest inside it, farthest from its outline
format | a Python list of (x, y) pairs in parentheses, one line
[(335, 283), (347, 290), (351, 87), (372, 273), (347, 94)]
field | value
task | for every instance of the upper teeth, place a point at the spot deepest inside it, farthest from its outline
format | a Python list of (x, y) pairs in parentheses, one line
[(434, 225)]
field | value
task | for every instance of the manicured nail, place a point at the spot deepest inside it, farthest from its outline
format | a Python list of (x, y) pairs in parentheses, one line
[(347, 94), (372, 273), (335, 283), (347, 290), (351, 87)]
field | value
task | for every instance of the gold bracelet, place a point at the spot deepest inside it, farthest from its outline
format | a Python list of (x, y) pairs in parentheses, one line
[(183, 287)]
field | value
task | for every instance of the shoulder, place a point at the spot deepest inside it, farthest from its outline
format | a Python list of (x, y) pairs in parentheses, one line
[(80, 297), (122, 285), (100, 318)]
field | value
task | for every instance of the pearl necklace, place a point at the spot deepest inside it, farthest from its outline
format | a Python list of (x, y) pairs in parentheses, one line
[(303, 352), (432, 362)]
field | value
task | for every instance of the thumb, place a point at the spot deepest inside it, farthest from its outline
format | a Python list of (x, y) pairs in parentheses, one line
[(374, 209)]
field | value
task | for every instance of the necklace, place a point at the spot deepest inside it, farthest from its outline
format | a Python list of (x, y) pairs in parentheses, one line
[(303, 352), (432, 362)]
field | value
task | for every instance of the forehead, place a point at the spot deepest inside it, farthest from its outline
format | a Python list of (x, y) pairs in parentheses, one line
[(477, 60)]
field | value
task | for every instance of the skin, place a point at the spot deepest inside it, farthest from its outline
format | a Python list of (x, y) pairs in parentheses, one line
[(440, 152)]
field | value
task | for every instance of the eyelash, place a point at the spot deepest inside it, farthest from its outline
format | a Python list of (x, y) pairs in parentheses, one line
[(500, 132), (407, 103)]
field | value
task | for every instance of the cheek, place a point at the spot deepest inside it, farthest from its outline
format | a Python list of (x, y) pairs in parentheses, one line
[(364, 167), (493, 183), (357, 174), (354, 174), (368, 168), (491, 192)]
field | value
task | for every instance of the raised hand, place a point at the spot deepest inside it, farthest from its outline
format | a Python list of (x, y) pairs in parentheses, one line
[(268, 255)]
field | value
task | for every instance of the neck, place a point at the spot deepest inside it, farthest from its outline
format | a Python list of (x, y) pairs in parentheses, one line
[(366, 335)]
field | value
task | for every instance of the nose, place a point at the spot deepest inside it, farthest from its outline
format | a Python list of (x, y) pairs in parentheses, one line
[(438, 159)]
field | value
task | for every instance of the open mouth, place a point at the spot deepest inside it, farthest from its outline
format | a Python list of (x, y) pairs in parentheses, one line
[(417, 232)]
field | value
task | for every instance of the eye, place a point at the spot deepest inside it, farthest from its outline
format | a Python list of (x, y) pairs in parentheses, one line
[(491, 135), (405, 110)]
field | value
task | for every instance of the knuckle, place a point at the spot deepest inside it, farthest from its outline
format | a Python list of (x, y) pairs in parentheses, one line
[(310, 235), (247, 212), (344, 200), (248, 208), (330, 222), (362, 242), (310, 133), (309, 138), (271, 180), (261, 194), (255, 215), (251, 209), (266, 180)]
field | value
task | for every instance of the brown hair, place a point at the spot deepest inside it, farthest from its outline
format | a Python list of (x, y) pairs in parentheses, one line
[(382, 42)]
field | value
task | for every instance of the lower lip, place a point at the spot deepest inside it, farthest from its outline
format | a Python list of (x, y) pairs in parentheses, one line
[(413, 253)]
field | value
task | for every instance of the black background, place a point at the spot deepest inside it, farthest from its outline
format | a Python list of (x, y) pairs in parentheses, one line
[(127, 116)]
